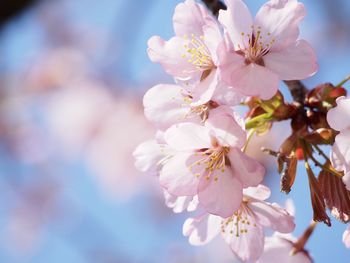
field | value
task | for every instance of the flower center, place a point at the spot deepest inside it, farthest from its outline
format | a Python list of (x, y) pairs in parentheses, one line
[(197, 53), (255, 46), (201, 110), (239, 222), (212, 161)]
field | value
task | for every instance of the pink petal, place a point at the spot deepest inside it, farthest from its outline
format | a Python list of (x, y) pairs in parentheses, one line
[(260, 192), (346, 180), (187, 137), (272, 216), (228, 61), (297, 61), (339, 117), (165, 105), (226, 129), (337, 159), (180, 203), (246, 169), (236, 19), (252, 80), (247, 245), (147, 155), (222, 196), (346, 237), (170, 54), (342, 142), (281, 19), (202, 229), (176, 176), (204, 90), (190, 17), (212, 39), (225, 95)]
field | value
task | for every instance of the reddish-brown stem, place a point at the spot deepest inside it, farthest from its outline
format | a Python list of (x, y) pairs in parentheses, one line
[(299, 245)]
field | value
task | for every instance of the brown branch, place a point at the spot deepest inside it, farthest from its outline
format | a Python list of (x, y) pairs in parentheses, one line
[(296, 87), (214, 6)]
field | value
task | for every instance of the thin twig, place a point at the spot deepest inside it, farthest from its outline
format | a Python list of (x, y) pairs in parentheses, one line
[(297, 89), (343, 81), (214, 6)]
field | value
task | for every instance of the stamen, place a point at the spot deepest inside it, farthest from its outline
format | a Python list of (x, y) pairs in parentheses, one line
[(239, 223), (212, 160), (255, 45), (199, 54)]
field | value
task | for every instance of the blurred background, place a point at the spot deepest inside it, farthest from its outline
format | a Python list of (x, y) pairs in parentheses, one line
[(72, 77)]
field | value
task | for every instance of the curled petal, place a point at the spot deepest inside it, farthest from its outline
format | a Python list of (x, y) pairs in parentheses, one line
[(187, 137), (340, 155), (190, 17), (181, 203), (147, 155), (273, 216), (165, 105), (201, 229), (204, 90), (281, 19), (339, 117), (236, 20), (170, 54), (261, 192)]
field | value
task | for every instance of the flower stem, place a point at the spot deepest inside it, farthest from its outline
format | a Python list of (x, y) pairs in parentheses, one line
[(297, 89), (343, 81), (250, 135), (254, 121), (320, 152), (316, 162), (299, 245)]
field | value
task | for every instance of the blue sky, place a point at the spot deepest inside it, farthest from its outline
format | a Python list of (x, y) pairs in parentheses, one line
[(131, 229)]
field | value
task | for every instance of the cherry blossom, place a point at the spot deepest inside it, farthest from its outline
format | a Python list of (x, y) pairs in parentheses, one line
[(209, 162), (191, 55), (346, 237), (338, 119), (243, 230), (167, 104), (259, 52)]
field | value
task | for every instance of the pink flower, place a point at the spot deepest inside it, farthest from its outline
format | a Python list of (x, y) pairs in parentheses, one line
[(339, 119), (190, 55), (208, 161), (243, 229), (278, 248), (346, 237), (259, 52), (167, 104)]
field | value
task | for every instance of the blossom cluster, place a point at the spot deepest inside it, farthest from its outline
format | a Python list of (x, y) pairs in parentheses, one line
[(199, 151)]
